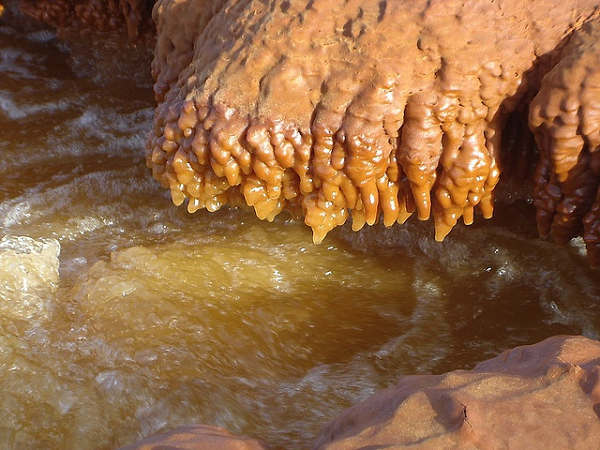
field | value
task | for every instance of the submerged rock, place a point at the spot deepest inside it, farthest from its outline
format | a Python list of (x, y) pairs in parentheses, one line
[(541, 396), (198, 437)]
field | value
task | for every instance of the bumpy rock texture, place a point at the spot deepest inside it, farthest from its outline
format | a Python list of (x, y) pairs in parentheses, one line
[(372, 110), (543, 396), (565, 117), (132, 16), (198, 437)]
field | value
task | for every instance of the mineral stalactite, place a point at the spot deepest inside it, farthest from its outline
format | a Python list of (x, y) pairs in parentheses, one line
[(565, 117), (133, 16), (372, 110)]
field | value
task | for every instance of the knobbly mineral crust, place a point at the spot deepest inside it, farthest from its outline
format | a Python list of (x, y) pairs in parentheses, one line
[(350, 109), (369, 111), (131, 16), (565, 117)]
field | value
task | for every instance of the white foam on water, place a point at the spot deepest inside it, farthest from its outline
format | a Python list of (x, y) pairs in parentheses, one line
[(50, 203), (41, 36), (28, 275), (12, 61), (13, 110)]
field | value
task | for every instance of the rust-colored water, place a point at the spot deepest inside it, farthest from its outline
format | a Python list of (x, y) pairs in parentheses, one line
[(150, 318)]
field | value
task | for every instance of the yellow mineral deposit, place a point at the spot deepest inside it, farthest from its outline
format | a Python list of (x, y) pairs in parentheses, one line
[(283, 108)]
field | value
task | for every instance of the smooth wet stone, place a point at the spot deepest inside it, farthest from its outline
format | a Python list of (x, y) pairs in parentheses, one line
[(198, 437), (542, 396)]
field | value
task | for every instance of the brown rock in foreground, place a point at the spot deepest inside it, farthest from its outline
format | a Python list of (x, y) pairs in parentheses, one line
[(197, 437), (543, 396)]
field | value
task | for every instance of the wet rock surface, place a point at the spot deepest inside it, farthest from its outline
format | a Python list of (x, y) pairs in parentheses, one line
[(197, 437), (130, 17), (541, 396), (545, 395)]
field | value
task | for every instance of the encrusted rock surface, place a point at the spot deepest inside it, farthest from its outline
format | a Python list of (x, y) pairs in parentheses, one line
[(565, 117), (368, 110), (131, 16)]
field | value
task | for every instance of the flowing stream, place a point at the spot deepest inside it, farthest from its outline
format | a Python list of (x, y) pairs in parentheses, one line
[(122, 315)]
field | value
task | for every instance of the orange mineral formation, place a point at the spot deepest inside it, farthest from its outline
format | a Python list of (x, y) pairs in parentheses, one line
[(131, 16), (565, 117), (372, 110), (338, 109)]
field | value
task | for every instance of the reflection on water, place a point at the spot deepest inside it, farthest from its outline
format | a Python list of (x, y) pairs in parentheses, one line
[(157, 318)]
